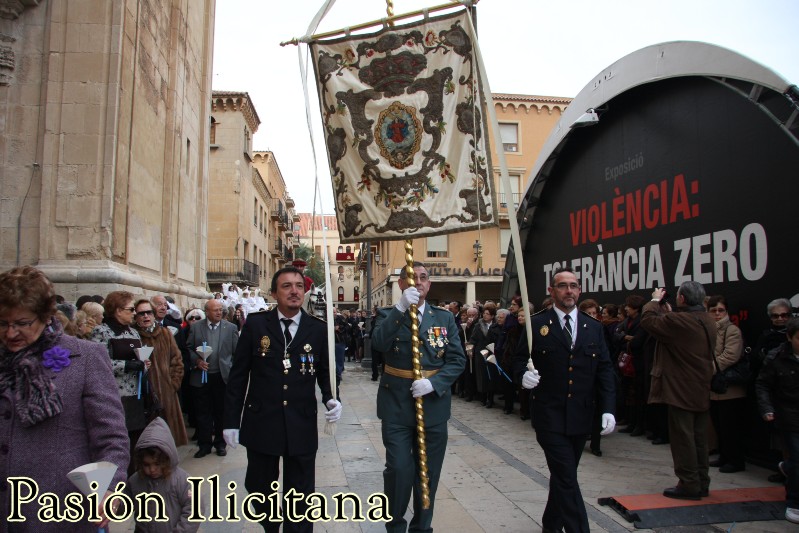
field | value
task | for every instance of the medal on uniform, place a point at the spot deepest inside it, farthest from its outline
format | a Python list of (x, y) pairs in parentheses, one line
[(437, 337), (264, 345), (286, 363), (302, 364), (544, 331), (311, 368)]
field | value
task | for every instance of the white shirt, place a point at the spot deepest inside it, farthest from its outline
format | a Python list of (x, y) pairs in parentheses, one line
[(573, 317), (295, 323)]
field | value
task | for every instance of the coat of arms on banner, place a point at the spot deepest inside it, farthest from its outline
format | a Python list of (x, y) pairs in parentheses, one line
[(404, 131)]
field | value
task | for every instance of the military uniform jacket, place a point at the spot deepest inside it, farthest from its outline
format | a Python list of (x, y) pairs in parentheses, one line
[(440, 350), (278, 414), (564, 400)]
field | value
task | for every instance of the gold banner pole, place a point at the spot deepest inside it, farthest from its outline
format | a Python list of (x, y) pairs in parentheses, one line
[(417, 374)]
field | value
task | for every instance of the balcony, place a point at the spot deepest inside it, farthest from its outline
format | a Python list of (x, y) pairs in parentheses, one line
[(278, 210), (345, 257), (238, 271), (288, 253), (277, 248), (503, 203)]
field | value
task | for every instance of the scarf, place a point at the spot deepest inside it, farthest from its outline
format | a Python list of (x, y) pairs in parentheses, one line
[(35, 396), (115, 326)]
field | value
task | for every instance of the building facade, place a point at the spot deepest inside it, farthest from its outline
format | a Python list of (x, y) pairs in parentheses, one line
[(468, 266), (104, 127), (347, 281), (250, 216)]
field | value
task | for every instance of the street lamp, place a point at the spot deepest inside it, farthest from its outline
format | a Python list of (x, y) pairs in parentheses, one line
[(377, 258)]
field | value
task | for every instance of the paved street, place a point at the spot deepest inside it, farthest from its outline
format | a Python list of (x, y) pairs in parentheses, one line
[(495, 477)]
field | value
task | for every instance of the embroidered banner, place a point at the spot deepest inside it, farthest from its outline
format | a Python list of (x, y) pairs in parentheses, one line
[(404, 131)]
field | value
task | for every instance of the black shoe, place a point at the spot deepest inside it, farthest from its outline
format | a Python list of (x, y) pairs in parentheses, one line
[(374, 378), (637, 432), (195, 436), (489, 404), (628, 429), (221, 452), (717, 462), (704, 493), (660, 441), (730, 468), (678, 493), (524, 417), (201, 453), (508, 411), (777, 478), (469, 398), (598, 453)]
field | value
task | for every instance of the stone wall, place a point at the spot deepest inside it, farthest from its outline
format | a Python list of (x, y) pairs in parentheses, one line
[(104, 127)]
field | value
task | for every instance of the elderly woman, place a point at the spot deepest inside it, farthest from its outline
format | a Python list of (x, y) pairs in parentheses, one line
[(166, 369), (59, 399), (726, 409), (121, 341)]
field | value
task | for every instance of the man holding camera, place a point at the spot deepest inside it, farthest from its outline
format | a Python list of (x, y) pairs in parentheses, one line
[(681, 374)]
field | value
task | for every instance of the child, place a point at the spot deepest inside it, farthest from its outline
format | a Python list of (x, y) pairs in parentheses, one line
[(777, 389), (157, 471)]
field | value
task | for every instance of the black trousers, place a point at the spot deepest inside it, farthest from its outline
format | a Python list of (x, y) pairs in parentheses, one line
[(209, 402), (565, 508), (729, 426), (298, 474)]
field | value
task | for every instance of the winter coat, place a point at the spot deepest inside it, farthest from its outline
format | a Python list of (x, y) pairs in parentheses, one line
[(90, 428), (166, 376), (777, 388), (729, 349), (174, 489), (683, 365)]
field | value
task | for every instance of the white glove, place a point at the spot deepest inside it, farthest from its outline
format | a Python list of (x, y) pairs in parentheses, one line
[(174, 311), (608, 424), (530, 379), (420, 387), (231, 437), (410, 296), (334, 412)]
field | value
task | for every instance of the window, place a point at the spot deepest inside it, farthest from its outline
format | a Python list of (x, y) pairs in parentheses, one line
[(437, 246), (341, 294), (509, 132), (356, 294), (348, 249), (504, 241), (514, 194), (255, 212), (213, 130), (341, 249), (246, 141)]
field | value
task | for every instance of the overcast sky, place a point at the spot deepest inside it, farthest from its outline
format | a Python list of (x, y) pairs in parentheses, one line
[(529, 47)]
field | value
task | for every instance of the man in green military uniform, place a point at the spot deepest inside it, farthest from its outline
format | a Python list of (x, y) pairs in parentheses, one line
[(442, 361)]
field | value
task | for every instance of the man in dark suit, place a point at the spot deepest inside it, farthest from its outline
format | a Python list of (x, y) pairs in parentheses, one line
[(209, 377), (576, 377), (442, 361), (281, 357)]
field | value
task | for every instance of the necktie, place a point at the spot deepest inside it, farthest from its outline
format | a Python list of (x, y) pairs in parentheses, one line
[(287, 332), (567, 327)]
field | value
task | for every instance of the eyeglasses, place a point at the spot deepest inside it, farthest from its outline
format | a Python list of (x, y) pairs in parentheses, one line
[(564, 286), (193, 317), (19, 325), (145, 313), (131, 309), (775, 316)]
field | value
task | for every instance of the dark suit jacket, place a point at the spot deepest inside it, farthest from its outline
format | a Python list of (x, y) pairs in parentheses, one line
[(228, 338), (392, 336), (279, 411), (564, 400)]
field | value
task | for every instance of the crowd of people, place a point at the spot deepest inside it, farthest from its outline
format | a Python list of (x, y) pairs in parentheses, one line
[(491, 336), (115, 390)]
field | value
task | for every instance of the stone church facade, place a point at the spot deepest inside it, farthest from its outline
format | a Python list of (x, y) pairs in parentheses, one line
[(104, 136)]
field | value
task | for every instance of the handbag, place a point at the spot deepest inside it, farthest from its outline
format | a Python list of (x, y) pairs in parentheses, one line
[(740, 373), (626, 364), (718, 383)]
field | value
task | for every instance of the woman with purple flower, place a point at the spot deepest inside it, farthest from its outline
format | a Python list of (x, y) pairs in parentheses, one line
[(59, 405)]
